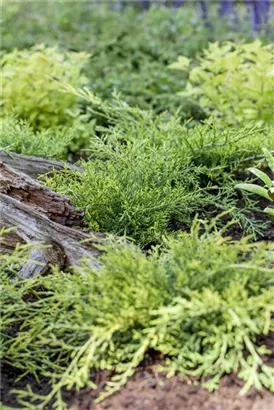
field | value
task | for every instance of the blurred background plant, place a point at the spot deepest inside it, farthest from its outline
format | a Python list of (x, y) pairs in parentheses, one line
[(132, 43), (28, 86), (232, 81)]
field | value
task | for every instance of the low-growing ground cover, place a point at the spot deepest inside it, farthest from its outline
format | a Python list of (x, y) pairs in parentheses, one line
[(184, 292), (149, 174), (202, 307)]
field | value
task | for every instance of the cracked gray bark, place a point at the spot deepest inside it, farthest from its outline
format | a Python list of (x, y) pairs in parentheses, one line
[(41, 215), (33, 166), (55, 206)]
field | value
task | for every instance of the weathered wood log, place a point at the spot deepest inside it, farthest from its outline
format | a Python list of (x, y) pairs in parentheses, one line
[(65, 247), (56, 207), (33, 166), (42, 216)]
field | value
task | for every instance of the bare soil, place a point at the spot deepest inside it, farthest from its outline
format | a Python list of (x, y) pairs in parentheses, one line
[(149, 390)]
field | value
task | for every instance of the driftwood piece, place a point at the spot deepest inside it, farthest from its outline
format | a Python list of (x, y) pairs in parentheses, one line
[(33, 166), (39, 215)]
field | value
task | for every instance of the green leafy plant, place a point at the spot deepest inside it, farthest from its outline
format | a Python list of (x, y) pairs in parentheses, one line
[(201, 302), (232, 81), (29, 88), (266, 192)]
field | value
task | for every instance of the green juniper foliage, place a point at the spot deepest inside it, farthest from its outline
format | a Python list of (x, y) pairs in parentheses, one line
[(216, 146), (134, 190), (147, 171), (17, 135), (204, 302)]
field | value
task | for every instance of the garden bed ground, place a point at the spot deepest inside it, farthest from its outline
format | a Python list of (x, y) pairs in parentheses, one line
[(149, 390)]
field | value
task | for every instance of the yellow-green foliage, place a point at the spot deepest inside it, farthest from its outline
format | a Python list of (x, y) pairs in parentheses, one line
[(29, 89), (232, 81), (201, 303)]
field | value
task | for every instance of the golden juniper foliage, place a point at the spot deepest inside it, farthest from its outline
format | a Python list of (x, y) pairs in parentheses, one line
[(204, 302)]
